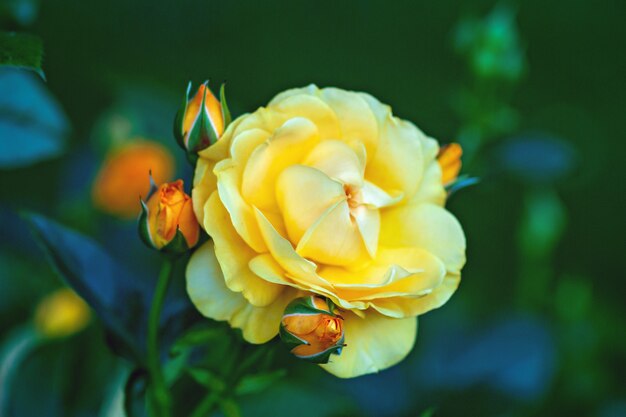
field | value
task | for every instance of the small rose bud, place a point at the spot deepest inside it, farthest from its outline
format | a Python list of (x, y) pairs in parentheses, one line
[(201, 120), (167, 221), (449, 159), (311, 329), (61, 313)]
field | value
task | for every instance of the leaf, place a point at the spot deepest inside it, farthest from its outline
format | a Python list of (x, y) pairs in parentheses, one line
[(429, 412), (121, 299), (32, 125), (254, 383), (114, 294), (230, 408), (207, 378), (21, 50)]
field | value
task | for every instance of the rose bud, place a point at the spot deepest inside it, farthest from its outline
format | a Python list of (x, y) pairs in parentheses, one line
[(311, 329), (167, 221), (201, 120), (449, 159), (61, 313)]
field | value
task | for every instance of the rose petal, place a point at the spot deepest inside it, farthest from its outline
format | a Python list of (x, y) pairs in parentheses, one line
[(425, 226), (234, 254), (374, 343)]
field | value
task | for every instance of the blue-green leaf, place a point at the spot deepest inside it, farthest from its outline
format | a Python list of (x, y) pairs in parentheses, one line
[(32, 125)]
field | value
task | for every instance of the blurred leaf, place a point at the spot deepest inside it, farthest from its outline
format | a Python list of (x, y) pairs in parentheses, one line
[(536, 158), (22, 12), (32, 125), (230, 408), (542, 224), (121, 299), (429, 412), (195, 337), (252, 383), (207, 378), (21, 50), (108, 288)]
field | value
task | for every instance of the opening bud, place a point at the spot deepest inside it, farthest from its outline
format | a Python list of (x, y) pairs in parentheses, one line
[(167, 221), (311, 329)]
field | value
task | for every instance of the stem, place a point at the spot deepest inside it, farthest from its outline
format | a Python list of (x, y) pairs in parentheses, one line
[(160, 394)]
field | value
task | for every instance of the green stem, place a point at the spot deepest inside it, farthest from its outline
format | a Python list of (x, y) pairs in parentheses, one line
[(160, 394)]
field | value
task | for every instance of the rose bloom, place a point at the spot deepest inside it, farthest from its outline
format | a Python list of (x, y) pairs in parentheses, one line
[(124, 176), (325, 192)]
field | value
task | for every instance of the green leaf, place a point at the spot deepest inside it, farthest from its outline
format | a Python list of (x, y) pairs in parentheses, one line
[(21, 50), (429, 412), (252, 383), (121, 299), (195, 337), (32, 125), (230, 408), (207, 378)]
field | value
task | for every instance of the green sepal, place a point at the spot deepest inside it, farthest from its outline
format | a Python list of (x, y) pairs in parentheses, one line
[(201, 134), (225, 111), (290, 340), (461, 182), (180, 118), (324, 357), (177, 245), (304, 305), (144, 229)]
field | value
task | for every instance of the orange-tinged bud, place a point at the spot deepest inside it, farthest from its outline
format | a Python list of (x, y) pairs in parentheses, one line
[(201, 120), (168, 222), (311, 329), (124, 176), (449, 159), (61, 314)]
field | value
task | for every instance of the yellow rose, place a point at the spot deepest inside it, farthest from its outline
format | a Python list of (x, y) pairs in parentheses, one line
[(324, 192)]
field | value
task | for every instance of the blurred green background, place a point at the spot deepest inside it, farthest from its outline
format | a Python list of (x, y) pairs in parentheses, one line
[(533, 90)]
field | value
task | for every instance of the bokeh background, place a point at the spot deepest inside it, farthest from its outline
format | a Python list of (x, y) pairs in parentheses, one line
[(533, 90)]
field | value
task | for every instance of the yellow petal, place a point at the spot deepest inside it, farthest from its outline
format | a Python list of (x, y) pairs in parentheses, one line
[(398, 163), (374, 343), (284, 254), (208, 292), (425, 226), (379, 198), (355, 116), (334, 239), (408, 272), (303, 195), (288, 146), (431, 189), (206, 287), (337, 160), (233, 255), (241, 214), (309, 107), (409, 307), (368, 221), (204, 183)]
